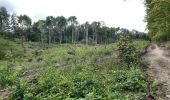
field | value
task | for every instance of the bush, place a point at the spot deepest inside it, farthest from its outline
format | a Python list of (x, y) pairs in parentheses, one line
[(134, 81), (126, 50)]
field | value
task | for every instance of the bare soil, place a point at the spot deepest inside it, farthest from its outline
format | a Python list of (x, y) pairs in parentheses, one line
[(158, 59), (4, 94)]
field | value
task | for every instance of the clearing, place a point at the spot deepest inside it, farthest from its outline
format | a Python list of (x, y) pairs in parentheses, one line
[(70, 72)]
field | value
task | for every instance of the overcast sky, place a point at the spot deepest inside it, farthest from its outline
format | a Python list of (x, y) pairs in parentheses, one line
[(116, 13)]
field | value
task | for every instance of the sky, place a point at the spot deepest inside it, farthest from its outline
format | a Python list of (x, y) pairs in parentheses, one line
[(115, 13)]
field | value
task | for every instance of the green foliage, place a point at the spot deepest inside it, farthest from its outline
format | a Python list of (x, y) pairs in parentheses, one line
[(4, 16), (18, 92), (11, 50), (158, 19), (60, 29), (143, 44), (7, 77), (84, 76), (134, 81), (4, 48), (167, 44), (2, 53), (74, 72), (126, 50), (86, 84), (9, 57)]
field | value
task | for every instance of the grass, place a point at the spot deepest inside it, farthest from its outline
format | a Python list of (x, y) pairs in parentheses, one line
[(74, 72), (140, 44), (168, 44)]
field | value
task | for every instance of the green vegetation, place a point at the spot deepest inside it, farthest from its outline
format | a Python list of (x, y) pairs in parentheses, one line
[(58, 29), (71, 72), (48, 59), (7, 77), (168, 44), (158, 19), (126, 50)]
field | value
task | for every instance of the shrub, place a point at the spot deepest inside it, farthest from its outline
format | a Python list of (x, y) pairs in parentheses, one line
[(126, 50), (134, 82)]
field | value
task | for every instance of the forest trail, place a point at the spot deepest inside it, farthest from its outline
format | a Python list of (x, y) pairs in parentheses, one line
[(158, 58)]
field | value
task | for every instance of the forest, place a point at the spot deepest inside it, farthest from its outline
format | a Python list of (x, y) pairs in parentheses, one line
[(59, 58), (61, 30)]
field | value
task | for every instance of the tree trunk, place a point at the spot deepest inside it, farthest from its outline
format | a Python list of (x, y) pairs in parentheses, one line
[(87, 36), (22, 41), (65, 34), (105, 40), (72, 36), (94, 34), (96, 37), (41, 37), (60, 36), (49, 37), (78, 34)]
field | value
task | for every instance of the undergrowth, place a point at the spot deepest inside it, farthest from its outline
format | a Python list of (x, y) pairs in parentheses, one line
[(74, 72)]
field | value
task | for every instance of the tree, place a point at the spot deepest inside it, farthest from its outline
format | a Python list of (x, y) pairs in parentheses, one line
[(68, 30), (4, 19), (24, 25), (50, 26), (40, 27), (14, 25), (103, 31), (87, 31), (95, 26), (72, 20), (158, 19), (113, 35), (61, 23)]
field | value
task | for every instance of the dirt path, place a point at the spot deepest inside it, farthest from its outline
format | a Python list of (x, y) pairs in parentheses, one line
[(158, 58)]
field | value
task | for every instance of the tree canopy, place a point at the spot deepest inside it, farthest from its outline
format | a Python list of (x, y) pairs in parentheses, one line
[(158, 19), (60, 29)]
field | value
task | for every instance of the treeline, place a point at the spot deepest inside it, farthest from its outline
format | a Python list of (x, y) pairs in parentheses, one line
[(60, 30), (158, 19)]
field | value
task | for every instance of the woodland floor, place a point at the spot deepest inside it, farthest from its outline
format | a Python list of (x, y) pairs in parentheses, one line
[(158, 59)]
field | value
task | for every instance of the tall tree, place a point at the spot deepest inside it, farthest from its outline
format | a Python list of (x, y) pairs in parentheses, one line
[(50, 26), (24, 24), (61, 23), (87, 31), (103, 30), (4, 19), (95, 26), (40, 26), (158, 19), (14, 25), (72, 20)]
